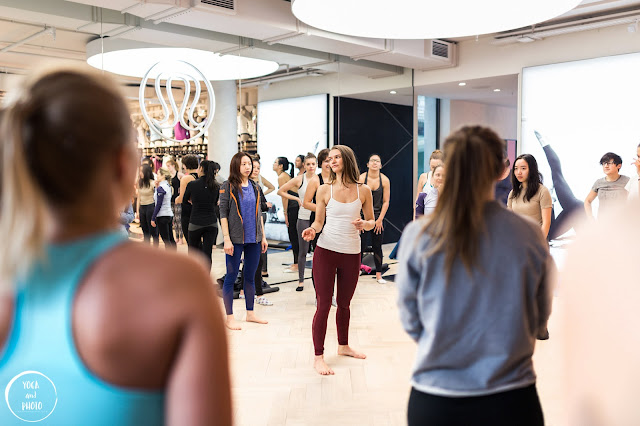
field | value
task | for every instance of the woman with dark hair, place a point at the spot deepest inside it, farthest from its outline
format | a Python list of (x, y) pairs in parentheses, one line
[(474, 316), (338, 249), (146, 204), (172, 166), (190, 163), (301, 183), (300, 164), (243, 230), (529, 197), (291, 209), (203, 195), (100, 316)]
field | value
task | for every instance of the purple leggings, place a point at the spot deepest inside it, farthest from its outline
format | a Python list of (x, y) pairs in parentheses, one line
[(326, 264)]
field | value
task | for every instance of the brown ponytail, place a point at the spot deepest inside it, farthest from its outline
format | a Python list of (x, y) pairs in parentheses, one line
[(51, 125), (473, 161)]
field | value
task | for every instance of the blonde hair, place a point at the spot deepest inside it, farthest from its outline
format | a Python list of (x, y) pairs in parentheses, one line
[(474, 160), (52, 122), (165, 173), (350, 171)]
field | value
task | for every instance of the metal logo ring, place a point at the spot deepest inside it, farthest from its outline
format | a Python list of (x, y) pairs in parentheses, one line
[(170, 71)]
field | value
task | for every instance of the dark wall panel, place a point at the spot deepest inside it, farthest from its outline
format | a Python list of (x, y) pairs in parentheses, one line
[(385, 129)]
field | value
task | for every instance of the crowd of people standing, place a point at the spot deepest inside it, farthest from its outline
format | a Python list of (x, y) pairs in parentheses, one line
[(70, 271)]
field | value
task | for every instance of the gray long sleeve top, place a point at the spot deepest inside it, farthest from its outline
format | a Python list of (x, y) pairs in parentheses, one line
[(476, 334)]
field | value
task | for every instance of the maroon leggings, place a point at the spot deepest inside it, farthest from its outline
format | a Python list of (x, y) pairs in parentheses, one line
[(326, 264)]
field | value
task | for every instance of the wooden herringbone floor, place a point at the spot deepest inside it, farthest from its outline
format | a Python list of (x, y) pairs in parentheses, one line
[(274, 382)]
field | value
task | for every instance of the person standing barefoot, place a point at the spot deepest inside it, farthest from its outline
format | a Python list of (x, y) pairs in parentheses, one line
[(338, 249), (243, 230)]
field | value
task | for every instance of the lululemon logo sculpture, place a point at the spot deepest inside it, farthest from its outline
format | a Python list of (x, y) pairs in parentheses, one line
[(168, 72)]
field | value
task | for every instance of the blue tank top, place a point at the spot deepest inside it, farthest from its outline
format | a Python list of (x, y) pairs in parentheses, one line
[(248, 209), (41, 372)]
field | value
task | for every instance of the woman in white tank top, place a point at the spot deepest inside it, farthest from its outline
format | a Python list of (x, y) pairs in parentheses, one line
[(338, 248), (299, 184)]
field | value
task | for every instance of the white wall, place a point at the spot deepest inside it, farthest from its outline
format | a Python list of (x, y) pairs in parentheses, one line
[(502, 119)]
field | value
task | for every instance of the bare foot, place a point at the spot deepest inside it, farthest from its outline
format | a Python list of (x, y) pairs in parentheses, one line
[(251, 317), (345, 350), (321, 367), (231, 323)]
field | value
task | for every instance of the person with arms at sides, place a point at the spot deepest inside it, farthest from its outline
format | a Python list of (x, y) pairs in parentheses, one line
[(338, 250), (162, 214), (267, 188), (243, 230), (280, 166), (300, 184), (424, 182), (203, 194), (172, 165), (458, 297), (529, 197), (146, 204), (431, 200), (300, 164), (381, 191), (609, 190), (128, 335), (504, 185), (190, 164)]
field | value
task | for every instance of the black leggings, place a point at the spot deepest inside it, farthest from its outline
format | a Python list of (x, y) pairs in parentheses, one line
[(572, 208), (376, 244), (519, 407), (292, 215), (146, 213), (165, 229), (202, 241)]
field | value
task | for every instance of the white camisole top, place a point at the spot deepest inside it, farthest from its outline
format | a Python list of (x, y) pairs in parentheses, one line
[(303, 213), (339, 234)]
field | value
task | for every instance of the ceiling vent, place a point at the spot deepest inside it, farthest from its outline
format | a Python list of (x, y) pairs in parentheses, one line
[(216, 6), (441, 51)]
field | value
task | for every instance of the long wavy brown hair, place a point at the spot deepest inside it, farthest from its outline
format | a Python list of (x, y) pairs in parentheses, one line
[(474, 158), (350, 170), (235, 177)]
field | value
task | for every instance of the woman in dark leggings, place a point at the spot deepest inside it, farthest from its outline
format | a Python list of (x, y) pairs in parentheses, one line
[(190, 163), (281, 166), (146, 204), (572, 208), (203, 194)]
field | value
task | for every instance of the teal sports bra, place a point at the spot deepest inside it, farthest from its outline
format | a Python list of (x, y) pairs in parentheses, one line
[(41, 374)]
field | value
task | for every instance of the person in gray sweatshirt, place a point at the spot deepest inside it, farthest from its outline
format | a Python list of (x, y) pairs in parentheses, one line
[(475, 289)]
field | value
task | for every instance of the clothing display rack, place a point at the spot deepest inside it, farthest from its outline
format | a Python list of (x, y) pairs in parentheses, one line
[(177, 151)]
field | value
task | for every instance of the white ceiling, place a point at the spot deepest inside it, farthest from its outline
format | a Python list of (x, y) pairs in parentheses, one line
[(263, 29)]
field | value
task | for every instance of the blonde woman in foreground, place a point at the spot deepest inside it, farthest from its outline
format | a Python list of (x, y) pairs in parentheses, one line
[(127, 334), (474, 293)]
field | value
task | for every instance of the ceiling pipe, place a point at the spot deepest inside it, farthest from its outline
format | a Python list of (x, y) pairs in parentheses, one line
[(526, 36), (47, 30)]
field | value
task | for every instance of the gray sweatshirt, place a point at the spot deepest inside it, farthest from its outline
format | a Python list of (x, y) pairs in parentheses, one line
[(230, 210), (476, 334)]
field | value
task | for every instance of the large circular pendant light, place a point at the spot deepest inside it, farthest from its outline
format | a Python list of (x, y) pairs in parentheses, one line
[(426, 19)]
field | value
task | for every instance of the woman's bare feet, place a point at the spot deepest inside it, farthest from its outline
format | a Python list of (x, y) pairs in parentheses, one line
[(321, 367), (345, 350), (231, 323), (251, 317)]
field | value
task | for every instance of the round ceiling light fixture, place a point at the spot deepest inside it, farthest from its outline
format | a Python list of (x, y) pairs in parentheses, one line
[(419, 19), (134, 59)]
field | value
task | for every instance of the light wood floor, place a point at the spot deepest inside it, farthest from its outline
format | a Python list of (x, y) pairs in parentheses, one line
[(274, 382)]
